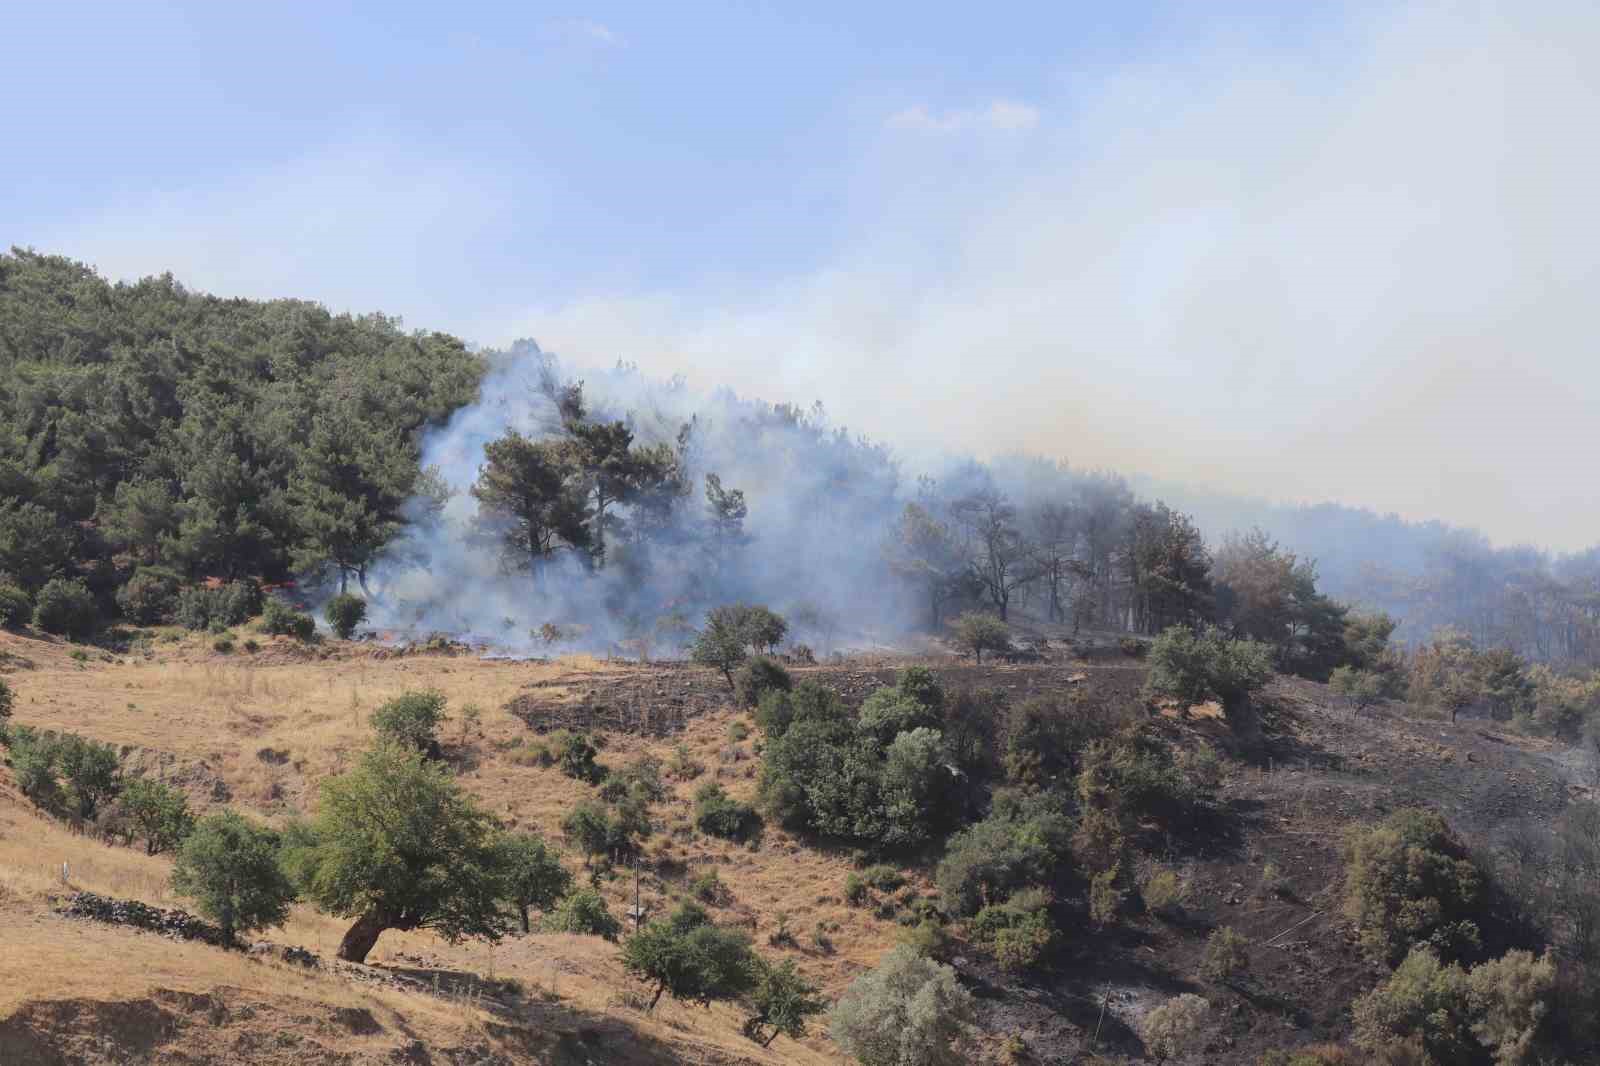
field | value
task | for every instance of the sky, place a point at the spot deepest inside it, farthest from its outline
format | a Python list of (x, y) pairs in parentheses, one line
[(1307, 252)]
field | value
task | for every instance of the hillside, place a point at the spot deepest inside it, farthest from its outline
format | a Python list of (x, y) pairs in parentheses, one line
[(260, 731)]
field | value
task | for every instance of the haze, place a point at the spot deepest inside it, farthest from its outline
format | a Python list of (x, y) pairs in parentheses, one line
[(1346, 258)]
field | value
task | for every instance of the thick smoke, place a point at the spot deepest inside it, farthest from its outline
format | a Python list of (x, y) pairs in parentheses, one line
[(819, 502)]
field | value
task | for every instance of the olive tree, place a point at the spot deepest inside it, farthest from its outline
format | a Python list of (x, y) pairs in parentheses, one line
[(229, 867), (397, 844), (534, 876), (908, 1011), (687, 957)]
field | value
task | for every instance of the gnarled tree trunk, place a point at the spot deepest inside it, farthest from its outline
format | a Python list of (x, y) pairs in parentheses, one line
[(360, 938)]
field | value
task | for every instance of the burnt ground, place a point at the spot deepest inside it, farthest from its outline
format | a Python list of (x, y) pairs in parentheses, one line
[(1303, 768)]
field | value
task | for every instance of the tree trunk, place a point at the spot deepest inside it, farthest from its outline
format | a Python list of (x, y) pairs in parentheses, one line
[(362, 936), (656, 998), (525, 928)]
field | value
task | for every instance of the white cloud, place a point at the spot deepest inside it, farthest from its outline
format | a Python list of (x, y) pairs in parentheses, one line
[(997, 115), (587, 31)]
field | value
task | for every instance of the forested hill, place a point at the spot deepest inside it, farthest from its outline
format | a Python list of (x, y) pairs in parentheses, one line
[(149, 424), (149, 430)]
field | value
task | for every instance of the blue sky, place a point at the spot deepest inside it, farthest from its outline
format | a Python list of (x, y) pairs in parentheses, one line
[(1308, 251)]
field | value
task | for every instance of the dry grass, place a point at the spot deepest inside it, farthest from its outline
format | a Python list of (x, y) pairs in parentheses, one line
[(272, 727)]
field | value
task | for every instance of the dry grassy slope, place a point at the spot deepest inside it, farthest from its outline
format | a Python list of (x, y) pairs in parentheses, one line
[(261, 731)]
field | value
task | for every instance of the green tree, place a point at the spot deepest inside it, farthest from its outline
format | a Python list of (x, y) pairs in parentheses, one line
[(533, 493), (8, 700), (158, 811), (908, 1011), (412, 719), (229, 867), (722, 644), (397, 844), (684, 955), (90, 770), (534, 876), (979, 633), (781, 1002), (343, 613), (350, 481)]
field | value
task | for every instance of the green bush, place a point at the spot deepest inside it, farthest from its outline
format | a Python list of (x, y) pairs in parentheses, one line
[(684, 955), (1163, 892), (919, 683), (1172, 1030), (16, 606), (150, 595), (708, 887), (1410, 881), (758, 677), (8, 700), (979, 633), (158, 812), (1226, 955), (1012, 848), (1193, 667), (229, 867), (720, 815), (1018, 931), (584, 912), (888, 712), (280, 619), (575, 753), (531, 874), (343, 613), (201, 608), (89, 771), (908, 1011), (66, 607), (411, 719)]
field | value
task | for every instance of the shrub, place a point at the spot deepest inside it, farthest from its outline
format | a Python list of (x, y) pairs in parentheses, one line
[(7, 701), (1163, 892), (158, 812), (856, 889), (1173, 1029), (1409, 881), (584, 912), (928, 938), (908, 1011), (640, 779), (576, 756), (236, 602), (150, 595), (717, 813), (1008, 850), (1423, 998), (16, 606), (1105, 897), (683, 764), (229, 867), (66, 607), (33, 765), (687, 957), (758, 677), (707, 888), (1362, 687), (919, 683), (223, 645), (280, 619), (1193, 667), (1018, 931), (1226, 956), (883, 877), (343, 613), (916, 790), (411, 719), (781, 1002), (979, 633), (888, 712), (737, 731)]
